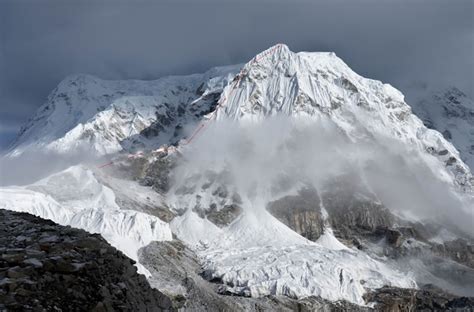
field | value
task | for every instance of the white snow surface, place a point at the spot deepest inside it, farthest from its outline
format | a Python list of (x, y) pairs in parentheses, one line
[(74, 197), (299, 271)]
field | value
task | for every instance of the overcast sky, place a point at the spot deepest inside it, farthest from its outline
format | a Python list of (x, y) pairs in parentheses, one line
[(399, 42)]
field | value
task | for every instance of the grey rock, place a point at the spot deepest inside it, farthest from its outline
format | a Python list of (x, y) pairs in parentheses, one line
[(428, 299), (301, 213), (225, 216), (353, 210)]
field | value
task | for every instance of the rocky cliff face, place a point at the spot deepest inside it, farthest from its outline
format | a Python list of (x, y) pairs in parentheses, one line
[(301, 212), (429, 299)]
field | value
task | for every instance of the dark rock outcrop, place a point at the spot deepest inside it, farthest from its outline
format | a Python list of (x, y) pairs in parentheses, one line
[(459, 250), (225, 216), (428, 299), (301, 213), (157, 173), (48, 267), (353, 210)]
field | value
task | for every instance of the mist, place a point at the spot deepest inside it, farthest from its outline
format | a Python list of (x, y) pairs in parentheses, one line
[(28, 167), (276, 156)]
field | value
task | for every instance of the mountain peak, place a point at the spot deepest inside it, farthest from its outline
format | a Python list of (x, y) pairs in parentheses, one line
[(278, 49), (278, 80), (281, 53)]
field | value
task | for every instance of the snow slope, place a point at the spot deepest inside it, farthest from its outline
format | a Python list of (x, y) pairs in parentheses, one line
[(74, 197)]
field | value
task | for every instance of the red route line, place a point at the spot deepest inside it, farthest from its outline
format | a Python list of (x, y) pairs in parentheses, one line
[(105, 165), (195, 133), (224, 98), (221, 101)]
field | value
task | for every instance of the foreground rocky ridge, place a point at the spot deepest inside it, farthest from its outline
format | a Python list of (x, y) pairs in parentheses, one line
[(48, 267)]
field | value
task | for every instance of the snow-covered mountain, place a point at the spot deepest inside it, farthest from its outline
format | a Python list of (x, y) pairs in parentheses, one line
[(103, 117), (85, 112), (322, 85), (290, 175)]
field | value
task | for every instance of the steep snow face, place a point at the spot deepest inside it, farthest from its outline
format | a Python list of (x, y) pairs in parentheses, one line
[(75, 197), (100, 116), (278, 81), (450, 112)]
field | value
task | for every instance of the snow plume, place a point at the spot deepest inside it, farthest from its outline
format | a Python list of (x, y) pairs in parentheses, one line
[(281, 154)]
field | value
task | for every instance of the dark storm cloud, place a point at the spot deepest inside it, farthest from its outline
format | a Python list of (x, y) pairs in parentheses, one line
[(394, 41)]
